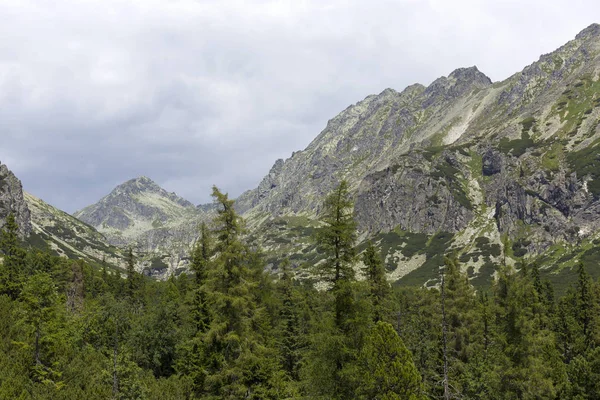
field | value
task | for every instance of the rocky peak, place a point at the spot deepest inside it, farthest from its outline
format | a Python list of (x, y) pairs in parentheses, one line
[(460, 82), (413, 90), (470, 75), (12, 201), (591, 31), (144, 184), (138, 204)]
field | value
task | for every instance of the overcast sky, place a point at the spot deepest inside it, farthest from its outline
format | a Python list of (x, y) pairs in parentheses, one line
[(192, 92)]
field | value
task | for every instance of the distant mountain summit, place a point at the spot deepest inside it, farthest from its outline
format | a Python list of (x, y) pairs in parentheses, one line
[(136, 207), (141, 214), (133, 205)]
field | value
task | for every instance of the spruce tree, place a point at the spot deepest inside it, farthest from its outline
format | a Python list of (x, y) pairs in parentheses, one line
[(39, 299), (587, 308), (334, 346), (131, 273), (290, 337), (338, 235)]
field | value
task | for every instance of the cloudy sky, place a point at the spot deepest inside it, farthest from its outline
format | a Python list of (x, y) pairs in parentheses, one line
[(196, 92)]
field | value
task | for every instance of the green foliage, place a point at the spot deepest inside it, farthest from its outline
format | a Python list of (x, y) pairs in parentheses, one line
[(379, 287), (386, 367), (231, 330), (586, 163), (11, 270), (337, 236), (517, 147)]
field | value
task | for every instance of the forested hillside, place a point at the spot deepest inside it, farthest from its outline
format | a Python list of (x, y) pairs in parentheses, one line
[(229, 330)]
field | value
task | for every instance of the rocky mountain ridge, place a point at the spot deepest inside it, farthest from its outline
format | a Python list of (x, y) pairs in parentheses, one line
[(492, 171), (489, 170)]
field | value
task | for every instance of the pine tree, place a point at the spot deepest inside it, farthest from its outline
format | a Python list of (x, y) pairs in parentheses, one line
[(587, 308), (338, 236), (529, 354), (291, 341), (39, 299), (334, 347), (134, 278)]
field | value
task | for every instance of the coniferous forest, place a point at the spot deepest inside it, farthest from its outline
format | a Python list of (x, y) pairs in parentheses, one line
[(230, 330)]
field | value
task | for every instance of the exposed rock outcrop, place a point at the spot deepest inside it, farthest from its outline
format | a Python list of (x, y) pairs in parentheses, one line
[(12, 201)]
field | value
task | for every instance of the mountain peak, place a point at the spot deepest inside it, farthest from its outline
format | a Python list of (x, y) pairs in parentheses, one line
[(138, 204), (591, 31), (141, 182), (470, 74)]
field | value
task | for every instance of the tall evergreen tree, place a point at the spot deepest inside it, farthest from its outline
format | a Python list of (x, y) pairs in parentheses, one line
[(290, 332), (39, 299), (133, 277), (337, 237), (334, 347), (587, 308), (238, 362)]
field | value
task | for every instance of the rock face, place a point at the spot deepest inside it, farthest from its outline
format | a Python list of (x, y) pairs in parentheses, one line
[(12, 201)]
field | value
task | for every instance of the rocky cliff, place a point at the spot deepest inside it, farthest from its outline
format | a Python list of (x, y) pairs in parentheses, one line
[(12, 201)]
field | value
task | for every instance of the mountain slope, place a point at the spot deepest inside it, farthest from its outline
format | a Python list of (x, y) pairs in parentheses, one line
[(484, 169), (69, 237)]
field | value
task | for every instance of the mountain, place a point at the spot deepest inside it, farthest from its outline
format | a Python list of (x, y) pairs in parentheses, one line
[(12, 201), (141, 214), (493, 171), (467, 165)]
